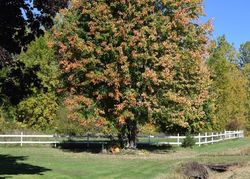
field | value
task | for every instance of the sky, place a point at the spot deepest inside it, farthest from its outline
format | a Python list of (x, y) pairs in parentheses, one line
[(230, 17)]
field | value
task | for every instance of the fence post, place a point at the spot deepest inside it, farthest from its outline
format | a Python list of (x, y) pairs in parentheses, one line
[(199, 139), (21, 139), (205, 138), (178, 139), (55, 140), (102, 147), (217, 137), (149, 138), (87, 140), (212, 138)]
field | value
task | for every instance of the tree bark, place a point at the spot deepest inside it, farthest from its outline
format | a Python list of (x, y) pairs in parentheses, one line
[(128, 134), (132, 131)]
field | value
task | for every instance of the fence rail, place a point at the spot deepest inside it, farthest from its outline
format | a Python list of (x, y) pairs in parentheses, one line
[(21, 139), (206, 138)]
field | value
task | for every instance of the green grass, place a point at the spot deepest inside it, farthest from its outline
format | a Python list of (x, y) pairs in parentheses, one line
[(46, 162)]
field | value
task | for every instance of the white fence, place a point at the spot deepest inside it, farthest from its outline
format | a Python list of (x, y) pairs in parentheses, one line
[(207, 138), (21, 139)]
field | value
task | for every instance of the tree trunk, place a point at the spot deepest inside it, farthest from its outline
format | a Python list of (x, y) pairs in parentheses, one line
[(128, 134), (131, 126)]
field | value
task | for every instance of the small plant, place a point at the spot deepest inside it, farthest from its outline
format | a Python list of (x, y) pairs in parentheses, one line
[(189, 141)]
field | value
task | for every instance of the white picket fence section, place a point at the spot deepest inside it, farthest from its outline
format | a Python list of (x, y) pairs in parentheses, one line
[(20, 139), (207, 138)]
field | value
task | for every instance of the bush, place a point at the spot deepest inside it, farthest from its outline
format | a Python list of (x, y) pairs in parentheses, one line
[(233, 125), (38, 112), (189, 141), (10, 126)]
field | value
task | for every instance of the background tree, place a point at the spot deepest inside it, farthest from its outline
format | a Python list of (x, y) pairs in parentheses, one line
[(11, 22), (16, 81), (245, 53), (23, 20), (39, 109), (123, 61), (5, 58), (246, 71), (245, 59), (20, 23), (229, 87)]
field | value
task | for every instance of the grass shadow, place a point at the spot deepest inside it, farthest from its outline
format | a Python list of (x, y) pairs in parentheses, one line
[(100, 146), (12, 165), (155, 148), (83, 146)]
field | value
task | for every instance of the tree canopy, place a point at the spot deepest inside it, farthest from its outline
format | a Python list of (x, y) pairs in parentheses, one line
[(229, 87), (245, 53), (23, 20), (124, 62)]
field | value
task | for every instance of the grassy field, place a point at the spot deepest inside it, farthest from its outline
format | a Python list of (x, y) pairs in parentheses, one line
[(46, 162)]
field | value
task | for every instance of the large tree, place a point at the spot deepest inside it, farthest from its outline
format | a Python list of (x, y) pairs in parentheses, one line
[(124, 62)]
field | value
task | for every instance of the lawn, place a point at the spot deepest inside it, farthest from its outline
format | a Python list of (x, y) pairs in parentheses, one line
[(47, 162)]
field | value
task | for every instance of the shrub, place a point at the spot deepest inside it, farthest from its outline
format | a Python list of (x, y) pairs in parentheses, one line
[(10, 126), (189, 141), (38, 112), (233, 125)]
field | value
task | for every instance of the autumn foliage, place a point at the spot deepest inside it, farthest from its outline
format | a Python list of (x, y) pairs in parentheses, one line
[(131, 62)]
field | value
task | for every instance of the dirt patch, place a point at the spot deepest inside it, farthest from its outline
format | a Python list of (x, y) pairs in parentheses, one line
[(235, 172), (220, 167), (195, 170)]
